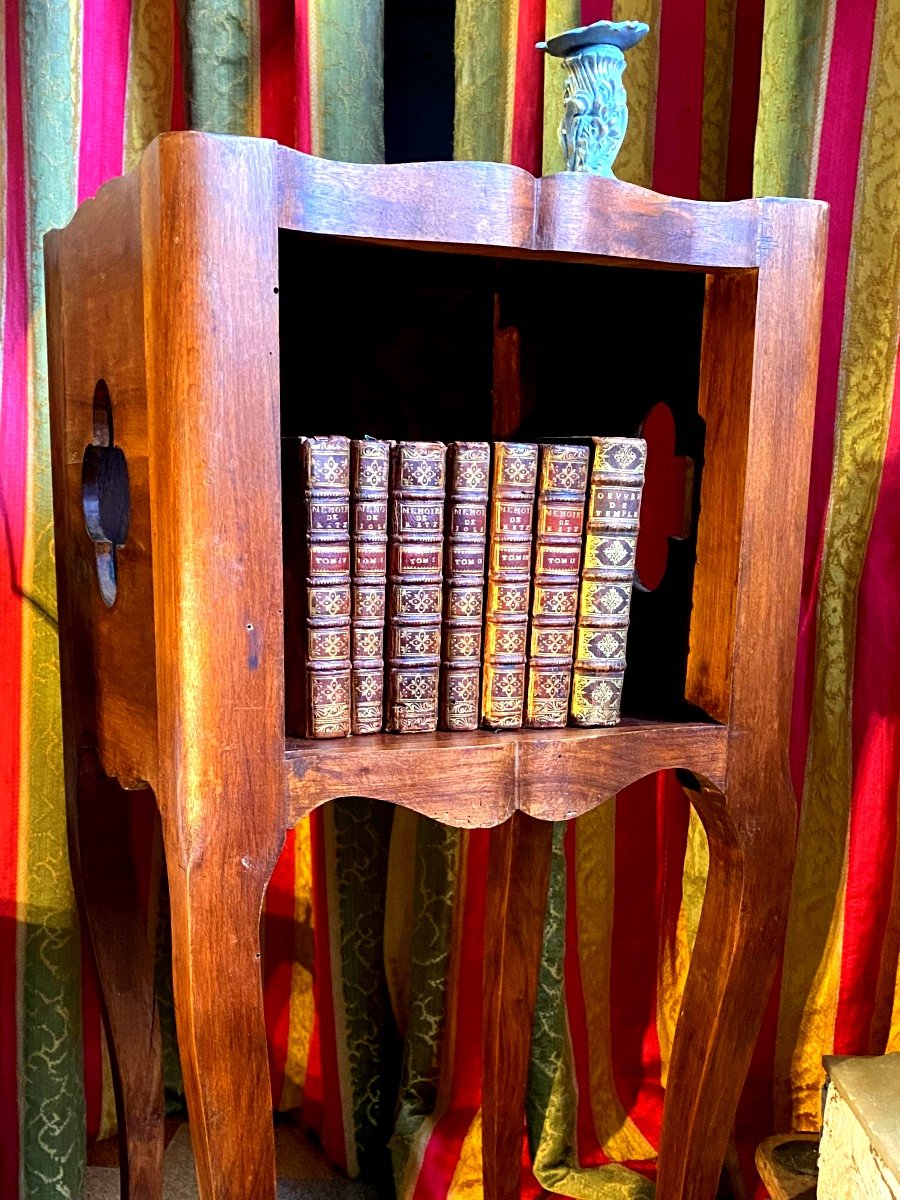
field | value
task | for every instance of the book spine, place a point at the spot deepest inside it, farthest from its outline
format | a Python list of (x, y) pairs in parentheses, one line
[(554, 603), (416, 585), (468, 472), (607, 577), (369, 468), (509, 584), (326, 462)]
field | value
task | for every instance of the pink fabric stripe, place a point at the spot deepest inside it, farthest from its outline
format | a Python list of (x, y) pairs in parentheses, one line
[(876, 763), (13, 451), (679, 98), (304, 83), (745, 63), (596, 10), (106, 28)]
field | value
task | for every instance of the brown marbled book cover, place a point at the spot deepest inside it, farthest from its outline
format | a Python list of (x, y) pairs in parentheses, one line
[(607, 576), (416, 551), (562, 492), (326, 479), (465, 525), (370, 472), (509, 584)]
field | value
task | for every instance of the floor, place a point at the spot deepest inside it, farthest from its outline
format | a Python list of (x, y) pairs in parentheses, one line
[(302, 1172)]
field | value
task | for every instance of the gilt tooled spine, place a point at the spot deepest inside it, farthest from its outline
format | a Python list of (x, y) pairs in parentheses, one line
[(416, 585), (509, 584), (465, 523), (370, 470), (607, 576), (326, 464), (554, 603)]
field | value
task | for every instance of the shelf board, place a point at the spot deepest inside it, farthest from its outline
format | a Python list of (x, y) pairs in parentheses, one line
[(479, 779)]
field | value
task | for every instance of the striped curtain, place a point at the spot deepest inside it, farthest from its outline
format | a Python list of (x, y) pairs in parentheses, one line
[(85, 85)]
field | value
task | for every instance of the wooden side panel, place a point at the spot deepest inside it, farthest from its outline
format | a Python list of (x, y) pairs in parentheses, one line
[(95, 324)]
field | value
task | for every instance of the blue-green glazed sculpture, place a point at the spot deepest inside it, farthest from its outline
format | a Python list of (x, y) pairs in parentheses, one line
[(595, 115)]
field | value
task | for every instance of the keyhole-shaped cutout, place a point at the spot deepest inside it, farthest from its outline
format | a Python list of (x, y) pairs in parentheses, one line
[(105, 494), (667, 500)]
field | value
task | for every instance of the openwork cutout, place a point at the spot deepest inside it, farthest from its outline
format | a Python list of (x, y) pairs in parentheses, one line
[(105, 494), (666, 507)]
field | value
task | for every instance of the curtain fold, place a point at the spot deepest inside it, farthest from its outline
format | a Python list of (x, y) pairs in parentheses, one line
[(391, 966)]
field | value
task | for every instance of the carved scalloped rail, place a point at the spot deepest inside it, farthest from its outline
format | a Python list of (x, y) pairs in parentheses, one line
[(551, 774)]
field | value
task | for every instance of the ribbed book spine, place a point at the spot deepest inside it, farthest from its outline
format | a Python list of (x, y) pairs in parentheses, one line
[(326, 466), (607, 576), (370, 470), (468, 473), (509, 584), (554, 602), (416, 585)]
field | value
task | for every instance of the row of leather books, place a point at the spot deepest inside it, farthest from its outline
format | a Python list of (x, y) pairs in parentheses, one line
[(466, 586)]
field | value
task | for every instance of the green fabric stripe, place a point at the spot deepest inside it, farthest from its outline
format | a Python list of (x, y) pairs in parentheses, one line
[(52, 1090), (791, 80), (479, 49), (437, 881), (552, 1098), (362, 831), (348, 60), (217, 53)]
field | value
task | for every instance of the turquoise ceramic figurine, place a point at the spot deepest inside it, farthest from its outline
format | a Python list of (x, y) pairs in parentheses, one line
[(596, 108)]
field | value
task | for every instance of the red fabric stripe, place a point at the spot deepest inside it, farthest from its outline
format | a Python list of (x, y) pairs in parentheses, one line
[(442, 1152), (679, 98), (13, 451), (876, 764), (278, 76), (745, 66), (91, 1025), (278, 964), (596, 10), (179, 120), (635, 952), (329, 1120), (303, 139), (105, 30), (528, 110)]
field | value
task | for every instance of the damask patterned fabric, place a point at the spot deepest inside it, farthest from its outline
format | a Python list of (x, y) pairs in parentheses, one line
[(373, 925)]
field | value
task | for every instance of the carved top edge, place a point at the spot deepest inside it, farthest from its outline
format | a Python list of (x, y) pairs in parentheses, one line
[(486, 204)]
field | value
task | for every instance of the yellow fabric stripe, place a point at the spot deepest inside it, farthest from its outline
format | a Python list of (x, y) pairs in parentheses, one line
[(675, 953), (398, 912), (561, 15), (595, 850), (302, 1008), (717, 73), (893, 1042), (482, 104), (108, 1116), (467, 1182), (872, 316), (820, 93), (148, 97), (635, 161), (509, 56), (254, 118)]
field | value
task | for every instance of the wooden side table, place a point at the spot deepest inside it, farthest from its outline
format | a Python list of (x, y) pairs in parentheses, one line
[(166, 364)]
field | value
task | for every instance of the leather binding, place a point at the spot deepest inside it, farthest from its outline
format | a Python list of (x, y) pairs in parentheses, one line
[(465, 523), (607, 576), (509, 584), (369, 471), (326, 475), (416, 585), (562, 492)]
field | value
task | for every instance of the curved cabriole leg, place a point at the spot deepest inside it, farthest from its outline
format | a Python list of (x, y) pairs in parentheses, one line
[(515, 908), (216, 899), (116, 869), (732, 967)]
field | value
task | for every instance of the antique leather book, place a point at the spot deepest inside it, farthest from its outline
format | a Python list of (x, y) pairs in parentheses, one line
[(416, 585), (607, 575), (369, 472), (465, 523), (562, 490), (326, 481), (509, 584)]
